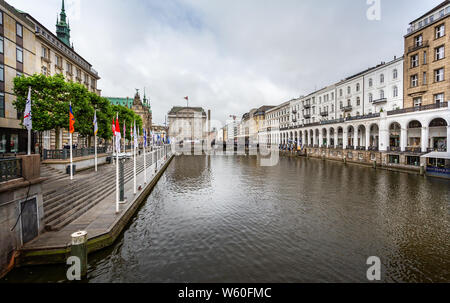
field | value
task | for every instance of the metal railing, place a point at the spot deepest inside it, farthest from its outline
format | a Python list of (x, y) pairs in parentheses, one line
[(369, 116), (394, 149), (64, 154), (418, 46), (10, 169), (414, 150), (417, 108)]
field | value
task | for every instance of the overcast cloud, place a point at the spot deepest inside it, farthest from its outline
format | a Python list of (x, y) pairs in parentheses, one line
[(228, 56)]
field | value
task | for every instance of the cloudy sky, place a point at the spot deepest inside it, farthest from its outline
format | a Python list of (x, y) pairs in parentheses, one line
[(228, 56)]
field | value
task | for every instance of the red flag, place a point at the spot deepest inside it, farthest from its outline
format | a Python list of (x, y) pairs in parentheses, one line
[(187, 98), (117, 126), (71, 121)]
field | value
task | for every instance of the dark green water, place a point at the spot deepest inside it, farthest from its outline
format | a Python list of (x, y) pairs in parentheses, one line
[(226, 219)]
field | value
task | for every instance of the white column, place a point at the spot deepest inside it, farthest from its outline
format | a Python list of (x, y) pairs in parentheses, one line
[(367, 137), (320, 138), (336, 138), (328, 138), (448, 138), (424, 139), (403, 139), (345, 138)]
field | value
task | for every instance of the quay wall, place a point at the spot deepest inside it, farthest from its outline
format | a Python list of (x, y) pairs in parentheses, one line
[(362, 157), (59, 255)]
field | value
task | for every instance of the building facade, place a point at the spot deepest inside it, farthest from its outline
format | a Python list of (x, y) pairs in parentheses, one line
[(140, 107), (17, 57), (187, 124), (26, 48), (386, 114), (426, 67)]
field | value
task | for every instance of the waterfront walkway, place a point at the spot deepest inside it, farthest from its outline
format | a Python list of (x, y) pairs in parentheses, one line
[(97, 217)]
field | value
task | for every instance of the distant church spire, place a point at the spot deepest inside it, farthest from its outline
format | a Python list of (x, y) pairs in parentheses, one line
[(62, 27)]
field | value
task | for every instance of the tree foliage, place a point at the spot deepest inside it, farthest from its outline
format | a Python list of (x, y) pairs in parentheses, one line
[(51, 97)]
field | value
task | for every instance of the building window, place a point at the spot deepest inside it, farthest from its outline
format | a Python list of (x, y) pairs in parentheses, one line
[(349, 90), (340, 92), (44, 70), (439, 75), (45, 53), (382, 78), (2, 105), (439, 98), (358, 101), (395, 74), (370, 97), (414, 81), (417, 102), (357, 87), (1, 18), (2, 73), (381, 94), (440, 31), (19, 29), (370, 82), (424, 78), (395, 92), (439, 53), (414, 61), (425, 57), (19, 53), (418, 41), (1, 45), (58, 61)]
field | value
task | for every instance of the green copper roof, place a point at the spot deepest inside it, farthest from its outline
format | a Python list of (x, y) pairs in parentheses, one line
[(121, 101), (62, 27)]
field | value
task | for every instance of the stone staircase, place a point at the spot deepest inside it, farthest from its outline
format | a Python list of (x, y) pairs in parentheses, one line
[(51, 174), (63, 206)]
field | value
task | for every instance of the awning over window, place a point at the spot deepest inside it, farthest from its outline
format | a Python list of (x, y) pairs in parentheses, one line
[(437, 155)]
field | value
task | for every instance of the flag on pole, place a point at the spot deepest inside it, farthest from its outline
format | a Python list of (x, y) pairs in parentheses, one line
[(95, 123), (113, 127), (27, 120), (134, 134), (186, 98), (118, 135), (145, 138), (71, 121)]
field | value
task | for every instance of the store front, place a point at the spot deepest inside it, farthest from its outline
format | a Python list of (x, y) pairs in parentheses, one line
[(14, 141)]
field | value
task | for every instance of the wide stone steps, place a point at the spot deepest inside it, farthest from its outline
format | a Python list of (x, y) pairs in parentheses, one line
[(67, 207), (78, 191)]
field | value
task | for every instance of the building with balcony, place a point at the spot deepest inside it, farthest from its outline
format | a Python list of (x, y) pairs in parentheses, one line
[(426, 68)]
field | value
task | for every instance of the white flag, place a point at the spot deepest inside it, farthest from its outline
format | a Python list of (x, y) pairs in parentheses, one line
[(95, 123), (135, 135), (27, 120)]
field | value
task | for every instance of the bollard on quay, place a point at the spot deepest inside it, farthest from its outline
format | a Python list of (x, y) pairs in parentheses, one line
[(79, 250)]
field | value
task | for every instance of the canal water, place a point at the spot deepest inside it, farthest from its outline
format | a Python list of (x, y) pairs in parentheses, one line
[(227, 219)]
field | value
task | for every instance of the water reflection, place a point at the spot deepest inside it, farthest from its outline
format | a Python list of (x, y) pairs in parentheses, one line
[(226, 219)]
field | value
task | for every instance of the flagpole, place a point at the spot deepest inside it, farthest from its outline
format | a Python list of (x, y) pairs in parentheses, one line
[(71, 155), (117, 174), (95, 140), (134, 157)]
